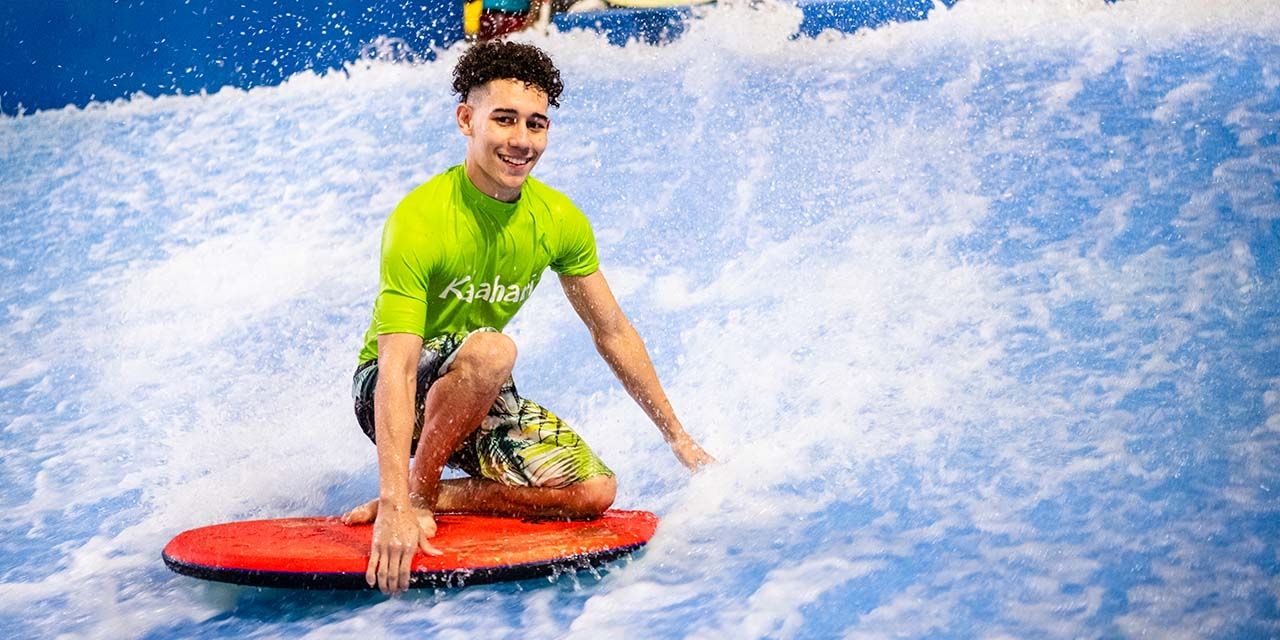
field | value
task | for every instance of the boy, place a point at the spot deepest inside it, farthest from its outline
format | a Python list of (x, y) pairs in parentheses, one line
[(460, 255)]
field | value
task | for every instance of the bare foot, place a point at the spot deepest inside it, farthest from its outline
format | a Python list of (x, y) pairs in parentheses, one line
[(363, 514)]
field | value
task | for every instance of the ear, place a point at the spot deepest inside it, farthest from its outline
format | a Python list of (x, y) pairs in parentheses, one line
[(464, 114)]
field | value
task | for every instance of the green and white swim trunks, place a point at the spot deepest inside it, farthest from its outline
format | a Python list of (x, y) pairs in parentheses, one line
[(519, 443)]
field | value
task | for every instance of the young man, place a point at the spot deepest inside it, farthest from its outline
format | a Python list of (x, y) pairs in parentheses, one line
[(460, 255)]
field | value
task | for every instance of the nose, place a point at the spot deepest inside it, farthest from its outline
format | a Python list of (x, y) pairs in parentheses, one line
[(520, 136)]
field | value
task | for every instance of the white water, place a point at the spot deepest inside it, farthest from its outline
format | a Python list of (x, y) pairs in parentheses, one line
[(979, 314)]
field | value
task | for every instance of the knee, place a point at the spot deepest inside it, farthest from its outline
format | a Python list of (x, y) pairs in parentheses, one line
[(597, 495), (489, 354)]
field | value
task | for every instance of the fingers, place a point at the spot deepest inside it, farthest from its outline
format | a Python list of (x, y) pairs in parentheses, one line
[(404, 569), (397, 537), (374, 574), (389, 572), (694, 457), (427, 547), (393, 570), (704, 459), (371, 573)]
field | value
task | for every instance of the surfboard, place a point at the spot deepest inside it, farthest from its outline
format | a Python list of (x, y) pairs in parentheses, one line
[(323, 553)]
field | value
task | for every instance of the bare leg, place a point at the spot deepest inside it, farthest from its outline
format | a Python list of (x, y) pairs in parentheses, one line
[(455, 406), (584, 500), (587, 499)]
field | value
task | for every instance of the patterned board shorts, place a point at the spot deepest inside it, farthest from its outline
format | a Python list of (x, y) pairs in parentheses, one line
[(519, 443)]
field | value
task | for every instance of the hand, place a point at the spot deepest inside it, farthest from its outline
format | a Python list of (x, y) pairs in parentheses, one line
[(690, 454), (398, 534)]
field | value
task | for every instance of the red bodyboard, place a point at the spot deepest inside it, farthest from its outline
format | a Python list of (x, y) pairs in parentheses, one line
[(323, 553)]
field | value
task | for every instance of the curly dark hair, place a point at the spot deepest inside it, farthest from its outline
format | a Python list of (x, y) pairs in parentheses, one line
[(502, 60)]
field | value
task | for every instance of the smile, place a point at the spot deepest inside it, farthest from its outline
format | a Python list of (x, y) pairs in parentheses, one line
[(517, 162)]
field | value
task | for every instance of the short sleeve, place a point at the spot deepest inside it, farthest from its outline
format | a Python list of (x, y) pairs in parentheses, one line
[(576, 253), (401, 305)]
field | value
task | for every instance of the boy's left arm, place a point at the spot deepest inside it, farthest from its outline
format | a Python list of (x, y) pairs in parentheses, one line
[(621, 347)]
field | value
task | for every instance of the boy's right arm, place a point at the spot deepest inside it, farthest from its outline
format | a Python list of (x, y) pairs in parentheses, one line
[(397, 532)]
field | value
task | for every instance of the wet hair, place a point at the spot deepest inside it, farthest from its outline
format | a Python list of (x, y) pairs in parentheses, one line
[(502, 60)]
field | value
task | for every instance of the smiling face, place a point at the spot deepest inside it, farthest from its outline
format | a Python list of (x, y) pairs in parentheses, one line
[(506, 123)]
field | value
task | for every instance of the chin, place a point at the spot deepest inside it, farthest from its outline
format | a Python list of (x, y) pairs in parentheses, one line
[(516, 180)]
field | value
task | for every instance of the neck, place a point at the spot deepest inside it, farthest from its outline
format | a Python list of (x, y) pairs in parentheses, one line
[(495, 191)]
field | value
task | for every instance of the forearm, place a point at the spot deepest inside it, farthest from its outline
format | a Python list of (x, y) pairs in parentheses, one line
[(393, 425), (399, 530), (627, 356), (620, 346)]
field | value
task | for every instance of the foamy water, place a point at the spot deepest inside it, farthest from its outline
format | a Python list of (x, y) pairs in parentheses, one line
[(980, 314)]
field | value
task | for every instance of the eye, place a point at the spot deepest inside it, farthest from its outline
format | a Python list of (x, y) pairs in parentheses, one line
[(537, 125)]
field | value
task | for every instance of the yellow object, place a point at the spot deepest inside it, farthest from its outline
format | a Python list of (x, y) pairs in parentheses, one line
[(471, 10)]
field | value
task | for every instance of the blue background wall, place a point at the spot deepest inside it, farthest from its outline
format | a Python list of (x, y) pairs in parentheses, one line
[(60, 52)]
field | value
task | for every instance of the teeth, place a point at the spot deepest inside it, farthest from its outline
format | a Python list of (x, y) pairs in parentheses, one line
[(510, 160)]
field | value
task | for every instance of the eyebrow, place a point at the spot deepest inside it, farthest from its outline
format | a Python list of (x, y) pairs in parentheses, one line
[(513, 112)]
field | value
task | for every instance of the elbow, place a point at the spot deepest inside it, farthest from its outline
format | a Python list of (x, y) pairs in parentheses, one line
[(610, 339)]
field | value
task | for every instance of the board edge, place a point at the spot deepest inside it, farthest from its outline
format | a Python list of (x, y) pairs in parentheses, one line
[(339, 581)]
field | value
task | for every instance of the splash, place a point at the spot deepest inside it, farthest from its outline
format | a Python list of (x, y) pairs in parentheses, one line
[(979, 314)]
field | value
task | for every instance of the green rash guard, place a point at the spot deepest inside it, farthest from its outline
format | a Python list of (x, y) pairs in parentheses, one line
[(455, 260)]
